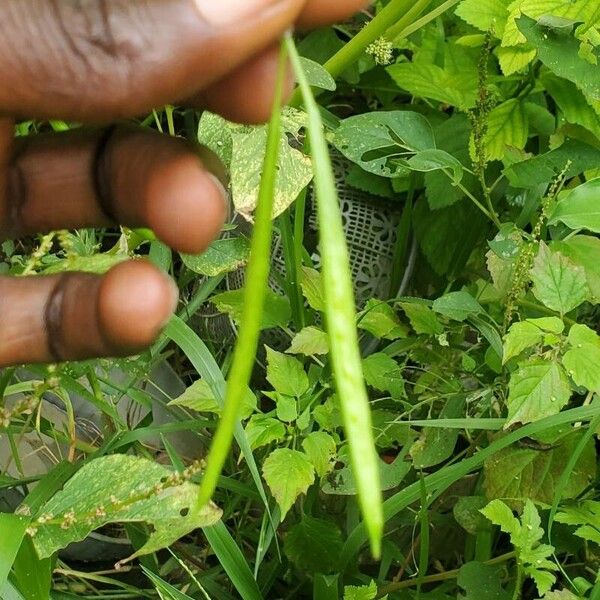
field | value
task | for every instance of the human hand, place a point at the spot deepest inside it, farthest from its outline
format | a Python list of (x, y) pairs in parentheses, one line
[(97, 61)]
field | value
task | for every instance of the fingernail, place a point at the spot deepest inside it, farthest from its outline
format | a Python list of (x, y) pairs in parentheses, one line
[(226, 12), (224, 194)]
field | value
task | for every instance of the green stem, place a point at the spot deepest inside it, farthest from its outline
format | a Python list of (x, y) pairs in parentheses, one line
[(445, 576), (425, 20), (409, 18), (292, 281), (518, 582), (257, 278)]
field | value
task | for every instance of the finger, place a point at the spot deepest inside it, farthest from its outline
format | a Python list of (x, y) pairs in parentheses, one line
[(135, 177), (247, 95), (317, 13), (76, 316), (104, 60)]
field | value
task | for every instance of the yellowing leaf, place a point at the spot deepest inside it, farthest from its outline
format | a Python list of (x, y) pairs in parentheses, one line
[(507, 126)]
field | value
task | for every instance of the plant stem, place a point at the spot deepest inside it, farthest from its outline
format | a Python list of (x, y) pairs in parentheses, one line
[(445, 576), (408, 19), (425, 20), (518, 582)]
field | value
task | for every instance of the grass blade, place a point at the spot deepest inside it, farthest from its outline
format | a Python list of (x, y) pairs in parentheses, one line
[(341, 320), (257, 279), (12, 532), (233, 561)]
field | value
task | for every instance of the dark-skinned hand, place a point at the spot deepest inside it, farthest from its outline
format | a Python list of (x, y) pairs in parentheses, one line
[(99, 61)]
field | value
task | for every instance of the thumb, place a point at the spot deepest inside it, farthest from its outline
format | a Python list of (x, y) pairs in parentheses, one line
[(96, 61)]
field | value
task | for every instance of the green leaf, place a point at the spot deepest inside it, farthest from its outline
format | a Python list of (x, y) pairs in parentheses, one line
[(579, 209), (288, 474), (458, 306), (576, 108), (481, 581), (381, 142), (528, 333), (12, 532), (422, 318), (287, 408), (384, 374), (584, 251), (86, 504), (582, 334), (96, 263), (310, 341), (314, 545), (541, 169), (321, 450), (364, 592), (583, 365), (525, 536), (557, 282), (201, 398), (427, 161), (558, 49), (586, 516), (430, 81), (312, 288), (467, 513), (286, 374), (508, 125), (277, 311), (485, 15), (519, 473), (262, 430), (437, 444), (222, 256), (294, 171), (317, 75), (380, 320), (538, 389)]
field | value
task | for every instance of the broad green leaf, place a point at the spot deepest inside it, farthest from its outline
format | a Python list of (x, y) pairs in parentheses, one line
[(201, 398), (140, 491), (507, 126), (583, 366), (437, 444), (586, 516), (557, 282), (580, 208), (538, 388), (294, 171), (528, 333), (364, 592), (467, 513), (321, 449), (287, 407), (514, 58), (558, 49), (222, 256), (581, 334), (481, 581), (435, 83), (384, 374), (519, 473), (288, 474), (525, 536), (286, 374), (314, 545), (381, 142), (317, 75), (380, 320), (214, 132), (584, 251), (312, 288), (457, 305), (427, 161), (277, 312), (485, 15), (310, 341), (572, 102), (422, 318), (541, 169), (262, 430)]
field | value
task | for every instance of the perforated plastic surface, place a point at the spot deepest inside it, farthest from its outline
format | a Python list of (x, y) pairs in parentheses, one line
[(370, 224)]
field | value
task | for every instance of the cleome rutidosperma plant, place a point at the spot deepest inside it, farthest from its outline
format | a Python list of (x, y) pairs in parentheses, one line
[(461, 392)]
